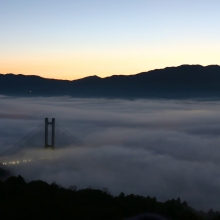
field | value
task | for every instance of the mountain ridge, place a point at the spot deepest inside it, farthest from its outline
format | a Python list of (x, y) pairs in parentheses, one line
[(185, 81)]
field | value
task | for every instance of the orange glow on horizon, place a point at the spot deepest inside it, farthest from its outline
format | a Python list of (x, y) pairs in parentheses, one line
[(75, 66)]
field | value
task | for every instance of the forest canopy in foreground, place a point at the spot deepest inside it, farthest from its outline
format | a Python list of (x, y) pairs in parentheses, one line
[(40, 200)]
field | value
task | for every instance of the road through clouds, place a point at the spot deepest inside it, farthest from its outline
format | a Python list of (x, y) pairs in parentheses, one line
[(160, 148)]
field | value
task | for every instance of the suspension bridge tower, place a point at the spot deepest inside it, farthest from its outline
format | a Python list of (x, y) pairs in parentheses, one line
[(49, 141)]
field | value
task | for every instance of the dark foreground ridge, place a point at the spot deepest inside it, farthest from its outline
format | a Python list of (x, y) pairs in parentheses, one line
[(40, 200), (186, 81)]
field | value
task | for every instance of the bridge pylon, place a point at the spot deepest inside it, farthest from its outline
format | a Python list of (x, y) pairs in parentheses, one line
[(52, 143)]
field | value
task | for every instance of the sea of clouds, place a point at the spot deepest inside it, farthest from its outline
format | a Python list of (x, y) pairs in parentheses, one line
[(161, 148)]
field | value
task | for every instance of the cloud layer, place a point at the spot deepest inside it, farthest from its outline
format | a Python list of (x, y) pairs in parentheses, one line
[(166, 149)]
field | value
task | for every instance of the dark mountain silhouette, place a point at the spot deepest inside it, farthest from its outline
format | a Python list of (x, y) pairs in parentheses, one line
[(186, 81), (40, 200)]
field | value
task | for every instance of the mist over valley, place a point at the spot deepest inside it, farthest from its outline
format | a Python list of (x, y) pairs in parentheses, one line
[(161, 148)]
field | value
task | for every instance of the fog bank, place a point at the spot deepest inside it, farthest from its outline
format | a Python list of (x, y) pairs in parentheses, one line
[(166, 149)]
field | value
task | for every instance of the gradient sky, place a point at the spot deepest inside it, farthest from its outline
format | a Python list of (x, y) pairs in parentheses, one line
[(71, 39)]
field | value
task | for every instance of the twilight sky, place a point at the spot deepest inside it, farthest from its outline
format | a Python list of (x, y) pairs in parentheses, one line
[(72, 39)]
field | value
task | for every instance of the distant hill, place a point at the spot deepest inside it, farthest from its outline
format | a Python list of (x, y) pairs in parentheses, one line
[(186, 81)]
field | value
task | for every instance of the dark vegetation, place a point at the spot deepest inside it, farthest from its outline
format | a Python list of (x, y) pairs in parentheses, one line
[(186, 81), (40, 200), (4, 174)]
